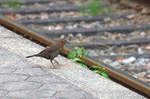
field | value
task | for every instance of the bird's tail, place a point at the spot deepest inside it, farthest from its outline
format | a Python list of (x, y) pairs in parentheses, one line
[(32, 56)]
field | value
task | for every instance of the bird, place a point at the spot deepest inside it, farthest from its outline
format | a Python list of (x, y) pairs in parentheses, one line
[(51, 51)]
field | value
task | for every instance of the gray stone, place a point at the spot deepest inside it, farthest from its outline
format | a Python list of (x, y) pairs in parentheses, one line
[(23, 85), (9, 78), (7, 98), (45, 93), (22, 94), (4, 52), (31, 94), (79, 36), (107, 60), (8, 59), (3, 93), (115, 64), (148, 71), (59, 87), (13, 61), (23, 64), (62, 36), (73, 95), (141, 61), (92, 53), (7, 34), (98, 26), (115, 94), (129, 60), (112, 53), (31, 71), (6, 70), (140, 51), (47, 79), (24, 80)]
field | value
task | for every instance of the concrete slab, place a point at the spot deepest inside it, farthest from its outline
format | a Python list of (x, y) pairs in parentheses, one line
[(30, 82), (74, 73)]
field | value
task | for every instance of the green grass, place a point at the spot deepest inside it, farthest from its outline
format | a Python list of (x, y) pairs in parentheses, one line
[(76, 54), (95, 7), (12, 3)]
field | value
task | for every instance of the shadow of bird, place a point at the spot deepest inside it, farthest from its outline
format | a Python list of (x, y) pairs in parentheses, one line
[(51, 51)]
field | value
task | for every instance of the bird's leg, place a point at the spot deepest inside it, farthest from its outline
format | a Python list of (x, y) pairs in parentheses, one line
[(52, 63)]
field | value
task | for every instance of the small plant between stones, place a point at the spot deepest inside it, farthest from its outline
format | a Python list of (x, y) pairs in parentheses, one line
[(76, 54), (95, 7), (12, 3)]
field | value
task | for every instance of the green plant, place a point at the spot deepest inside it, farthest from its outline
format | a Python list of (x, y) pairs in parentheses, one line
[(12, 3), (76, 54), (100, 70), (94, 7)]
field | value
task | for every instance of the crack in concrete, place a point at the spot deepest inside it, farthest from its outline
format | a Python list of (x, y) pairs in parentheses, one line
[(14, 70), (27, 77)]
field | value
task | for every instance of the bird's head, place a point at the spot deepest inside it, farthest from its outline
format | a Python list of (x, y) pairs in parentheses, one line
[(62, 42)]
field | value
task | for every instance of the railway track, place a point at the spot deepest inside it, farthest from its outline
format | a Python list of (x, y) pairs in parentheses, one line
[(120, 40)]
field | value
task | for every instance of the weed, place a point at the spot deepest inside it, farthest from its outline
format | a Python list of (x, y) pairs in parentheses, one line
[(12, 3), (95, 7), (100, 70), (76, 54)]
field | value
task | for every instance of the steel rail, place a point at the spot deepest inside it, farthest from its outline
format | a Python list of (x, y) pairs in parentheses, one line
[(40, 1), (145, 55), (116, 75), (25, 2), (50, 9), (91, 31), (105, 43), (73, 19), (28, 1)]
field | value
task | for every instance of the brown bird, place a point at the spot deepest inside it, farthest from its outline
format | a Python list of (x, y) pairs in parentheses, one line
[(51, 51)]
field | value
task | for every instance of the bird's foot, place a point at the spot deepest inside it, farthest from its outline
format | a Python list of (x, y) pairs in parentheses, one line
[(53, 64)]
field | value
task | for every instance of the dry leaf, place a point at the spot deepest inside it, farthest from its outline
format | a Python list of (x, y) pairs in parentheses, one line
[(58, 27), (11, 16), (119, 59)]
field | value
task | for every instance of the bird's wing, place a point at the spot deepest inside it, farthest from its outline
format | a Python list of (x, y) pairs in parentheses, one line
[(50, 49)]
